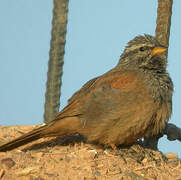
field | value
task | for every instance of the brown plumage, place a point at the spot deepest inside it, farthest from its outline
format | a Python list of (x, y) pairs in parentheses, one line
[(132, 100)]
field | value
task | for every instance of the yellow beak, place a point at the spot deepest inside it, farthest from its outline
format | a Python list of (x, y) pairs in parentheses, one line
[(158, 50)]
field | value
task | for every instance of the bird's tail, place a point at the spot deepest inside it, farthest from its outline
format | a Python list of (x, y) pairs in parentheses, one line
[(57, 127), (24, 139)]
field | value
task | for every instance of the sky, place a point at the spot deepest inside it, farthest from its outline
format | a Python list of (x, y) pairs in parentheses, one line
[(97, 33)]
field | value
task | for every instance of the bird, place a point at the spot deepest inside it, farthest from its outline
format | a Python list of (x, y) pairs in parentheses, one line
[(131, 101)]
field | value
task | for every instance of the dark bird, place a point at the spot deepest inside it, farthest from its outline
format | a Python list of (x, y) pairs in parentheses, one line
[(131, 101)]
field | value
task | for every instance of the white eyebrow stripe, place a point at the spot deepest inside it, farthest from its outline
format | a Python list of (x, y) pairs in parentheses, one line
[(136, 46)]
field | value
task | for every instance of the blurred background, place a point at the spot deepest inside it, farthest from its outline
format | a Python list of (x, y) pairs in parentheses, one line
[(97, 33)]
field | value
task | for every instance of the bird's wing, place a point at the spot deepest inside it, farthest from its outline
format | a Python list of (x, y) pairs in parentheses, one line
[(109, 85)]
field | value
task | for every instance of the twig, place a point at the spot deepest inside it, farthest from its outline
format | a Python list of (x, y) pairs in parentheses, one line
[(172, 131)]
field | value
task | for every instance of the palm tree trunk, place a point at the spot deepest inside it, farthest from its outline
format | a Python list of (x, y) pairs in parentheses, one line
[(56, 55), (164, 13)]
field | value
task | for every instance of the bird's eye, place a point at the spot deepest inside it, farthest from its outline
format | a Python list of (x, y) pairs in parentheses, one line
[(142, 48)]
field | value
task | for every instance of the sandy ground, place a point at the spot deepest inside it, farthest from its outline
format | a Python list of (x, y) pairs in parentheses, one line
[(68, 158)]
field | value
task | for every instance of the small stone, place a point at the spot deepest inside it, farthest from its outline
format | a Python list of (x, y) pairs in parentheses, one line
[(97, 173), (2, 172), (171, 156), (50, 175), (92, 151), (8, 162), (26, 171), (145, 161), (67, 159)]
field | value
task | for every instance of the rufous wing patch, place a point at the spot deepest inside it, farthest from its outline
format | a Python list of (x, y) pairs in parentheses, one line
[(124, 82)]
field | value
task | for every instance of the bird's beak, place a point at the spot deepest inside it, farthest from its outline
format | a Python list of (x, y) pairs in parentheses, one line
[(158, 50)]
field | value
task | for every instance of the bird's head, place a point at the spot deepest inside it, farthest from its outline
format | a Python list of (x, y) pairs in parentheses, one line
[(145, 52)]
